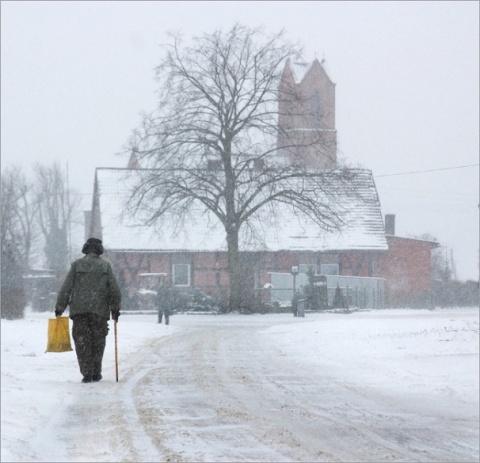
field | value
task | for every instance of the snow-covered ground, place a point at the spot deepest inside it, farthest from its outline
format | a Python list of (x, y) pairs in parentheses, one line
[(388, 385)]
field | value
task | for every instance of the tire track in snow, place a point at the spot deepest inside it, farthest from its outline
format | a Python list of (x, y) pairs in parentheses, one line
[(280, 402), (200, 404), (223, 394), (136, 435), (329, 419), (191, 428)]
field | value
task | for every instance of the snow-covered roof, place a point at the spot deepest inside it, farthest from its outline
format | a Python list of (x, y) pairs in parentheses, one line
[(364, 229), (433, 244)]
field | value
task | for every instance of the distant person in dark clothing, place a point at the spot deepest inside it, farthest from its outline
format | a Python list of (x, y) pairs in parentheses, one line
[(165, 303), (91, 290)]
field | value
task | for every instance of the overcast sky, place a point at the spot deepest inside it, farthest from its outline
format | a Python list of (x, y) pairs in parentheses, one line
[(75, 77)]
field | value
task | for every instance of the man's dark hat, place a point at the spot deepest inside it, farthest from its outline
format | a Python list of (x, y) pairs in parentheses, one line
[(93, 245)]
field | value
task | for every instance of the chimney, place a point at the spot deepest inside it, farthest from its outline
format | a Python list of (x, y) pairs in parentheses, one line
[(133, 161), (390, 224)]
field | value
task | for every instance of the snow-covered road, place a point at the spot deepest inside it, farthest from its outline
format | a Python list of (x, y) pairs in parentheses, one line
[(230, 388), (226, 395)]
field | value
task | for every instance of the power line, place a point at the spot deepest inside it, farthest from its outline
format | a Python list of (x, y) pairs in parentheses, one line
[(423, 171)]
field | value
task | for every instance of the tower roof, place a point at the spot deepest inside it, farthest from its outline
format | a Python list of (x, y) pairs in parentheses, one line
[(300, 69)]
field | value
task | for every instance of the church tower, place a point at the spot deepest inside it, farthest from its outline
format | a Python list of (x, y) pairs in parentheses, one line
[(306, 105)]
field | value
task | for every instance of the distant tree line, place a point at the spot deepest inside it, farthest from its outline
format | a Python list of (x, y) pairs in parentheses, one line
[(36, 215), (455, 293), (447, 291)]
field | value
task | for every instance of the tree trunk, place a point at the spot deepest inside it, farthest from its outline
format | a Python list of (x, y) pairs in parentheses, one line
[(234, 299)]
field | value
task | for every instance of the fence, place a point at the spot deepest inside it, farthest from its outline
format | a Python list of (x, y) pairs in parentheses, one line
[(361, 292)]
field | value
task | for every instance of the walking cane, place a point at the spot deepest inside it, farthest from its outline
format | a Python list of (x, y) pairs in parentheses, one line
[(116, 353)]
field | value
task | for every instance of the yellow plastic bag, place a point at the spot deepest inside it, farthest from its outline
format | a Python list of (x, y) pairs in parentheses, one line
[(58, 335)]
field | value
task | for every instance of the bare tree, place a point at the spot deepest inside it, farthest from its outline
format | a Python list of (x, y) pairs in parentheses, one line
[(443, 265), (57, 208), (15, 242), (13, 299), (19, 214), (214, 144), (8, 223)]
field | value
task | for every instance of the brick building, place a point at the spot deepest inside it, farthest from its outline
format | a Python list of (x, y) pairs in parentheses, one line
[(196, 257), (407, 268), (362, 258)]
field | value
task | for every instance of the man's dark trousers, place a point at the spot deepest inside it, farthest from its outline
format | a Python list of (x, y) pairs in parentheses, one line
[(89, 333)]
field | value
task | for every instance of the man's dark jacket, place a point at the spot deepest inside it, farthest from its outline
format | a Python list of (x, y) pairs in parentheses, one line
[(166, 300), (90, 287)]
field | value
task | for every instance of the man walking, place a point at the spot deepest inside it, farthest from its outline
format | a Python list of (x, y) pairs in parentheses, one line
[(91, 290), (165, 303)]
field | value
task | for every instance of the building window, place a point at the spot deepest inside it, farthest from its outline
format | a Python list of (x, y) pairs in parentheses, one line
[(329, 269), (303, 269), (181, 275)]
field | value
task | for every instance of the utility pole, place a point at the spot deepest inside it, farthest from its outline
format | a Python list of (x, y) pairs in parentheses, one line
[(294, 273), (452, 264)]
